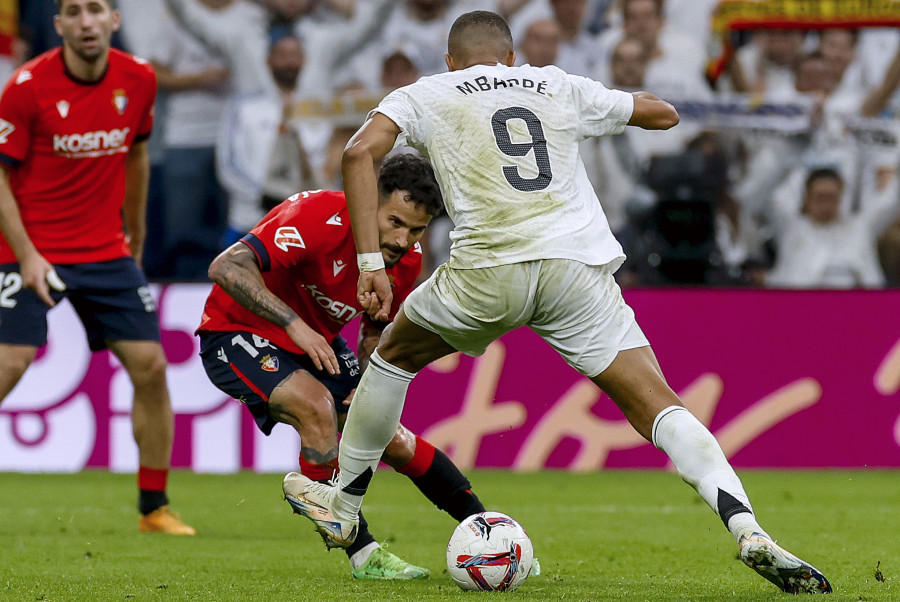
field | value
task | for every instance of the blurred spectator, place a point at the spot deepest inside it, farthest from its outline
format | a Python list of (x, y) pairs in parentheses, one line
[(676, 60), (879, 97), (768, 63), (289, 11), (141, 29), (578, 48), (617, 165), (628, 64), (397, 70), (693, 17), (196, 82), (819, 247), (237, 31), (838, 49), (13, 50), (342, 50), (420, 28), (417, 28), (261, 157), (540, 44), (777, 166)]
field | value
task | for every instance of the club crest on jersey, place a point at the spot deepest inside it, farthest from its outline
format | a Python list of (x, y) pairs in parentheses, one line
[(120, 101), (63, 108), (269, 363), (287, 236)]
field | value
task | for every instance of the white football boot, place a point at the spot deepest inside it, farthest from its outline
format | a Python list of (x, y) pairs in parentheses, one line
[(314, 501), (782, 568)]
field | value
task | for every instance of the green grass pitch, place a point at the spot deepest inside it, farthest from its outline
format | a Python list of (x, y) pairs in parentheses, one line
[(600, 536)]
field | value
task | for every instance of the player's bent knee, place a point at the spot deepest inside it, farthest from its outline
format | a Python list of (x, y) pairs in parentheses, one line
[(149, 371), (303, 401)]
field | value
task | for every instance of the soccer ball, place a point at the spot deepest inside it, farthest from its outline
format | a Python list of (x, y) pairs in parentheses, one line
[(489, 551)]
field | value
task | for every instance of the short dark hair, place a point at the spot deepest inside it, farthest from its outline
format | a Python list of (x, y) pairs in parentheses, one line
[(110, 3), (823, 173), (415, 175), (480, 22)]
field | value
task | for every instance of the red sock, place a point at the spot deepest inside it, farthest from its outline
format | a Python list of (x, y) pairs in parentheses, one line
[(421, 461), (318, 472), (152, 479)]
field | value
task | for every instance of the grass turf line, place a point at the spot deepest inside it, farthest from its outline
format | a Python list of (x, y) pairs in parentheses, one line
[(600, 536)]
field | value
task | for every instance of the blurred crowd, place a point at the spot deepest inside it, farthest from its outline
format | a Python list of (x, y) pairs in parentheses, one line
[(782, 173)]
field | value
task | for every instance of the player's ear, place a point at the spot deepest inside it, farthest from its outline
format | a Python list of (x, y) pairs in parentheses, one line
[(116, 20), (449, 60), (56, 25), (510, 58)]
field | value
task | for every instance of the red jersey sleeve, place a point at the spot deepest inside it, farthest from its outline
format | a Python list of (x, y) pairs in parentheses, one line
[(17, 106), (289, 233)]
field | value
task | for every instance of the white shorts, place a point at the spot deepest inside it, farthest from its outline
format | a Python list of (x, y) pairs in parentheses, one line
[(576, 308)]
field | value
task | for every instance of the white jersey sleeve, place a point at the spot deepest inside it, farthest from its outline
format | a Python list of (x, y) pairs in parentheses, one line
[(504, 145)]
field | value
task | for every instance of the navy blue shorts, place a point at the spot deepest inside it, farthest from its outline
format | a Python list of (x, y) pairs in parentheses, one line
[(249, 367), (111, 298)]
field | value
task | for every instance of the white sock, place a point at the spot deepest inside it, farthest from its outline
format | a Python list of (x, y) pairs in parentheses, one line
[(360, 556), (701, 463), (371, 424)]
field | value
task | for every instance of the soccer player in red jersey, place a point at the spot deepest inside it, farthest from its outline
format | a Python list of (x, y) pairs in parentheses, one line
[(74, 124), (270, 335)]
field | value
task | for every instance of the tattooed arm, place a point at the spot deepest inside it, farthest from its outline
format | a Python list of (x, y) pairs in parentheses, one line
[(236, 271)]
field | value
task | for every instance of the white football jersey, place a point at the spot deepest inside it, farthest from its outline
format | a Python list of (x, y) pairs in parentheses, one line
[(503, 142)]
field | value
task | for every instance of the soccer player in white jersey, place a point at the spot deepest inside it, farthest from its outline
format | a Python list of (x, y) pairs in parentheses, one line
[(531, 247)]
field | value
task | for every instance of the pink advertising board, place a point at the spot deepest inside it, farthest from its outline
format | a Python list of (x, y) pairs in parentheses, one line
[(782, 378)]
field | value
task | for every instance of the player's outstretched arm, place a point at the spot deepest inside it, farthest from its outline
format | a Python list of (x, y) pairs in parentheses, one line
[(371, 143), (652, 113), (236, 271), (32, 266)]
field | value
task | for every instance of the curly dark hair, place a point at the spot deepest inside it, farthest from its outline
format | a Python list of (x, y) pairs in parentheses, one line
[(414, 175)]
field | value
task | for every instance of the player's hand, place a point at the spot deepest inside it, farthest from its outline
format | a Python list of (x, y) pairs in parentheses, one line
[(374, 294), (38, 274), (136, 246), (315, 346)]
